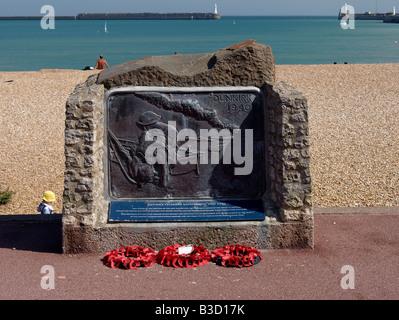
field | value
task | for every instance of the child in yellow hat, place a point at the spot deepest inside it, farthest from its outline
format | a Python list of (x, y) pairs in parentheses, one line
[(45, 207)]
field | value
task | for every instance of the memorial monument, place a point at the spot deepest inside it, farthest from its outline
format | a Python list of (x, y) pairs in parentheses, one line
[(202, 148)]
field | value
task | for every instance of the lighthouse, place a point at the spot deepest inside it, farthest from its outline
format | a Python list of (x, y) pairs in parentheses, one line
[(344, 10), (216, 8), (394, 11)]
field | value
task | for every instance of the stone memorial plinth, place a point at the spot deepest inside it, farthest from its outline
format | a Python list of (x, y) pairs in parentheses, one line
[(203, 148)]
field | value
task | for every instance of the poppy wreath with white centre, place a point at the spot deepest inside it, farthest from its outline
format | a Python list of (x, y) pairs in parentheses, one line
[(236, 256), (170, 257), (130, 258)]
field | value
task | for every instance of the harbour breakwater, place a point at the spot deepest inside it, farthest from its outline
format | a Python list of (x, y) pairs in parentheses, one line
[(385, 17), (127, 16), (392, 19), (366, 16)]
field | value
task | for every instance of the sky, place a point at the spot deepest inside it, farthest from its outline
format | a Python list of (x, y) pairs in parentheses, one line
[(225, 7)]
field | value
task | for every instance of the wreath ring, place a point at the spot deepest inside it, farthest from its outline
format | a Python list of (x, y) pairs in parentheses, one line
[(130, 258), (236, 256), (170, 257)]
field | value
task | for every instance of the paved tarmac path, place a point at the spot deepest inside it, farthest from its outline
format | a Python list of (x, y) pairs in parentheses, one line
[(369, 243)]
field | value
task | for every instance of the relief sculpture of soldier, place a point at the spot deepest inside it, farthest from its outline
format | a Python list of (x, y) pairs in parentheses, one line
[(133, 162), (150, 120), (209, 156)]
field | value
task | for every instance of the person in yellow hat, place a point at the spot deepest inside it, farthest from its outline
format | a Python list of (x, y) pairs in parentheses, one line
[(45, 207)]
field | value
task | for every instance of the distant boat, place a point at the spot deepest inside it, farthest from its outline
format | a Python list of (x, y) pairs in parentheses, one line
[(105, 28)]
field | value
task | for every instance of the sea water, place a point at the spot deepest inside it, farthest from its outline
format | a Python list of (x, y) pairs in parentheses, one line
[(25, 46)]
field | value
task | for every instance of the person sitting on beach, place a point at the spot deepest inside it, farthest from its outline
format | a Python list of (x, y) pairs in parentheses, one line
[(45, 207), (101, 63)]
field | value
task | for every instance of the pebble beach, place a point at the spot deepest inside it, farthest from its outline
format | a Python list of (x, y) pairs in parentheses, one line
[(353, 118)]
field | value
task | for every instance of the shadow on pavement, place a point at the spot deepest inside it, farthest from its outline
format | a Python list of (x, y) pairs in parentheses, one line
[(32, 232)]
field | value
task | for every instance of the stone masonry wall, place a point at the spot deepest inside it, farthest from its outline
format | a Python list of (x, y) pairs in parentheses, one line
[(84, 176), (289, 155)]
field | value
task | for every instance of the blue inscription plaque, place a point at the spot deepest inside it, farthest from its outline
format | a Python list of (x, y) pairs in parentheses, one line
[(185, 210)]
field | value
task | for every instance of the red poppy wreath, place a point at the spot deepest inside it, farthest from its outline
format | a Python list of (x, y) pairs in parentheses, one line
[(130, 258), (236, 256), (182, 256)]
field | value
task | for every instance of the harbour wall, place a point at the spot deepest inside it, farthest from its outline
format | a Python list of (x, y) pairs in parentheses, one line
[(127, 16), (391, 19), (366, 16), (385, 17)]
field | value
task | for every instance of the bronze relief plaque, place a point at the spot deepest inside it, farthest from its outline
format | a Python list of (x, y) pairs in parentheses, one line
[(185, 144)]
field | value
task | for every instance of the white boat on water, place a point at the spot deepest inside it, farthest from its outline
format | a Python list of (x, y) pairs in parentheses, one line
[(105, 28)]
